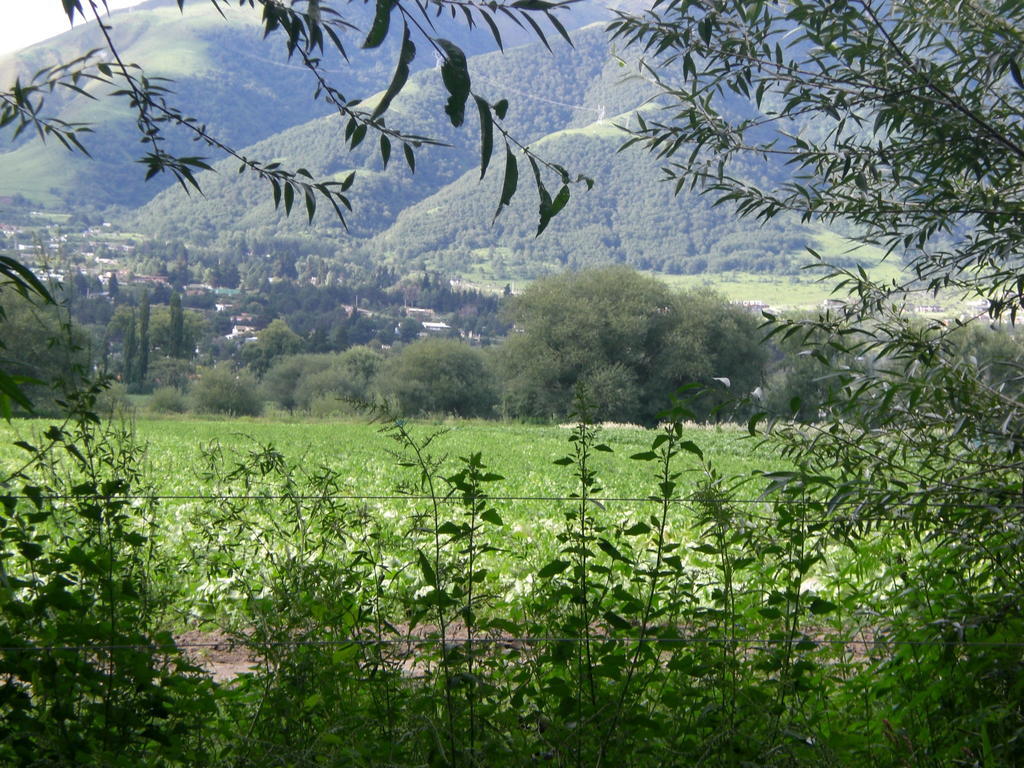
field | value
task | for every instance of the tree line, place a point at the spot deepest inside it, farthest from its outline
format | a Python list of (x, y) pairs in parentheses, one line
[(620, 340)]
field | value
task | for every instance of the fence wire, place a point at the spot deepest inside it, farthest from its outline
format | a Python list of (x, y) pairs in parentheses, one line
[(748, 643), (840, 511)]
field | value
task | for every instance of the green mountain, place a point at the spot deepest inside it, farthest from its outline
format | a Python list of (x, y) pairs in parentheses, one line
[(628, 217), (566, 87), (566, 104), (244, 89)]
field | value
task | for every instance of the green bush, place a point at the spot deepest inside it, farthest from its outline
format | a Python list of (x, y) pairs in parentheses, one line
[(224, 390), (436, 376), (167, 400), (628, 340)]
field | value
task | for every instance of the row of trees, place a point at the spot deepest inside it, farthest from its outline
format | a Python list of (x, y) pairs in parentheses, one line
[(625, 340), (320, 315), (622, 340)]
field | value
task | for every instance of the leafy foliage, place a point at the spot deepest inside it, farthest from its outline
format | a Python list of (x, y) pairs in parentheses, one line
[(79, 572), (626, 340), (309, 33), (44, 358), (438, 376), (917, 147), (226, 391)]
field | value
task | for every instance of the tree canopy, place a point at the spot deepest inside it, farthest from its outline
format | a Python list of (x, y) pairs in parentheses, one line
[(904, 123), (626, 339), (901, 122), (438, 376)]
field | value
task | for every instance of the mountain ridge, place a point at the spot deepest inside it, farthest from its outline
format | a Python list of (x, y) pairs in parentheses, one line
[(441, 217)]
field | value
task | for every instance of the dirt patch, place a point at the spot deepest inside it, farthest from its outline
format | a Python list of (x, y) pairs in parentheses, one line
[(217, 653)]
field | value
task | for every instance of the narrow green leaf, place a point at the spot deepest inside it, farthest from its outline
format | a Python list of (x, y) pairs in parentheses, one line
[(637, 529), (11, 391), (358, 135), (494, 29), (428, 573), (486, 134), (401, 76), (611, 550), (381, 22), (510, 182), (692, 447), (560, 200), (455, 76), (310, 204), (553, 568), (23, 278), (289, 197)]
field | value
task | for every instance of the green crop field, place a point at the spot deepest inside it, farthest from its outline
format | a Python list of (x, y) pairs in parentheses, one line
[(366, 463), (187, 464), (359, 452), (421, 581)]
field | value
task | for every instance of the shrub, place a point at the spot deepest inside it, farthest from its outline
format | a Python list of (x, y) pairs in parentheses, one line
[(223, 390), (439, 376), (167, 400)]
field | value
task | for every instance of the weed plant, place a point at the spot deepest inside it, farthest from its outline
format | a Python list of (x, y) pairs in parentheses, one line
[(711, 621)]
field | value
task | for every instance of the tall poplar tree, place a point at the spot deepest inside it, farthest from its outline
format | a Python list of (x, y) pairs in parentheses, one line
[(143, 365), (177, 328), (131, 349)]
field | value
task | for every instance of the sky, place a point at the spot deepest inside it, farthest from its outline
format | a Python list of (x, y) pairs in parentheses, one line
[(29, 21)]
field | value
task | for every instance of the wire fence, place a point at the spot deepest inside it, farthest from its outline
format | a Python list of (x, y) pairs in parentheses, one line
[(416, 641), (840, 511), (837, 510)]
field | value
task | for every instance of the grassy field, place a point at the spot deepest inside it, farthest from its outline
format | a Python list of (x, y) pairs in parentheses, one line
[(360, 453), (531, 496), (626, 627)]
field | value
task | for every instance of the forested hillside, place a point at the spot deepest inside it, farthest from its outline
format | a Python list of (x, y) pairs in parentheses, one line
[(566, 77), (568, 105), (626, 218), (219, 72)]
